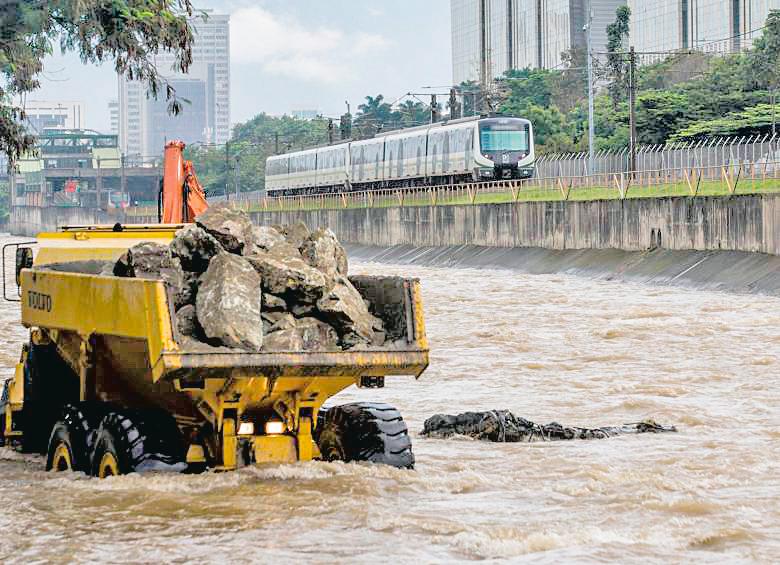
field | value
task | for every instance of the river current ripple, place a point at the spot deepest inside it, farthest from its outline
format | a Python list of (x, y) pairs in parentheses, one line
[(548, 348)]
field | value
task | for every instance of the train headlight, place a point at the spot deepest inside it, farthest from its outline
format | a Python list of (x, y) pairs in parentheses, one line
[(486, 173)]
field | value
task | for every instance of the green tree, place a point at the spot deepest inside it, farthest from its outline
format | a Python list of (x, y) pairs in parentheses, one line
[(617, 64), (243, 161), (128, 32), (413, 113), (529, 86), (750, 121), (569, 87), (375, 115), (660, 114)]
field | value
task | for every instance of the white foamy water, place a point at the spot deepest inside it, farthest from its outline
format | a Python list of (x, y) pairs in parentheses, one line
[(546, 347)]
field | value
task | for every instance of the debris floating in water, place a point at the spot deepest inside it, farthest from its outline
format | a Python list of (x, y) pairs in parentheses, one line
[(503, 426)]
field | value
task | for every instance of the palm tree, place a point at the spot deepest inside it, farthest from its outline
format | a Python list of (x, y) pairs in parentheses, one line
[(413, 113), (375, 115)]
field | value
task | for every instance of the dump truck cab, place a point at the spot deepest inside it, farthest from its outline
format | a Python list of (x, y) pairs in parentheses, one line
[(107, 385)]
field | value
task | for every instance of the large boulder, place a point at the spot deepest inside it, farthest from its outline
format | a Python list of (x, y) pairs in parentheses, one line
[(296, 234), (289, 276), (232, 228), (229, 301), (307, 334), (263, 239), (195, 248), (154, 261), (323, 251), (343, 308)]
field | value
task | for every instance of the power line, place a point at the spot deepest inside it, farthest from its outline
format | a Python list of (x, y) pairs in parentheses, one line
[(689, 51)]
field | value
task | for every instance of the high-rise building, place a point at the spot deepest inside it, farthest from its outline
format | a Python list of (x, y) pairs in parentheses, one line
[(50, 115), (490, 37), (721, 26), (113, 112), (144, 123)]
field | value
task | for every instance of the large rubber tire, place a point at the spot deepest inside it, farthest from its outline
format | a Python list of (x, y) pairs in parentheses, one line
[(366, 431), (73, 437), (137, 442)]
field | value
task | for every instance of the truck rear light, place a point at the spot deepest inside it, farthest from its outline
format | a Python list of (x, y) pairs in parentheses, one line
[(246, 429), (274, 427)]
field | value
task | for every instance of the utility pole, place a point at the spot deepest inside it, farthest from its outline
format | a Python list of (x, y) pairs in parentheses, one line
[(772, 97), (591, 111), (227, 170), (276, 143), (434, 109), (632, 105), (455, 111), (238, 176), (345, 124)]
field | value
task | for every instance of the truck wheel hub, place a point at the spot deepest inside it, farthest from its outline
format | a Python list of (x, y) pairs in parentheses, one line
[(109, 467), (62, 460)]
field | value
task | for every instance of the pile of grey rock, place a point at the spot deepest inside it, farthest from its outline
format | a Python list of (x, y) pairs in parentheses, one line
[(254, 288)]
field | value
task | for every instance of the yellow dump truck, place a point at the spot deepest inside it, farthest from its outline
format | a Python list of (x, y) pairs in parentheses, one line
[(106, 386)]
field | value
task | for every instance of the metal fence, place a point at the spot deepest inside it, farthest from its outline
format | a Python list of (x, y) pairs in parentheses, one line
[(707, 167), (716, 152), (749, 177)]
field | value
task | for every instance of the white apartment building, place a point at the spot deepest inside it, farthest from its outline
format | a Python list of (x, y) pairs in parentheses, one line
[(113, 112), (144, 123), (43, 115)]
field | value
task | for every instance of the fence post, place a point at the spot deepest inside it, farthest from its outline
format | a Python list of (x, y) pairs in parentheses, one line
[(564, 191), (731, 183)]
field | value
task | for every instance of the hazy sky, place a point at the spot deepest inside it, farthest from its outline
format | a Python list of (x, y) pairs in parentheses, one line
[(298, 54)]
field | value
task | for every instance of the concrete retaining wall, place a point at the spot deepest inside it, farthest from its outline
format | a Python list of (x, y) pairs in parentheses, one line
[(31, 220), (741, 223), (748, 223)]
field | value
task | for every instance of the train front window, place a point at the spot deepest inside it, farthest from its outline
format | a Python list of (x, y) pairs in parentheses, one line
[(503, 137)]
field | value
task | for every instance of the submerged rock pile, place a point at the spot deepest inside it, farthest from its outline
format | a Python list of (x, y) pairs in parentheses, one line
[(503, 426), (242, 286)]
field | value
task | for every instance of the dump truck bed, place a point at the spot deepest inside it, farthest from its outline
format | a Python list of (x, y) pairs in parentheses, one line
[(141, 309)]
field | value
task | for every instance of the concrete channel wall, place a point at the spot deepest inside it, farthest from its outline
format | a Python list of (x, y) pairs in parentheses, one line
[(31, 220), (749, 223)]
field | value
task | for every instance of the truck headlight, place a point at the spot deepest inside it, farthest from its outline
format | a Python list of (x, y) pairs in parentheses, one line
[(246, 429), (274, 427)]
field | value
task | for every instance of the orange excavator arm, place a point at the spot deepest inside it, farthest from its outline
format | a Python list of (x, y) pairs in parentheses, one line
[(182, 198)]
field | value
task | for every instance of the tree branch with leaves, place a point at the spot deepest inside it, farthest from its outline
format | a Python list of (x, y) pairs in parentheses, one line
[(128, 32)]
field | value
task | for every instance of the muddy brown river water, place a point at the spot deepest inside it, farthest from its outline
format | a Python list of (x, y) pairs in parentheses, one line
[(546, 347)]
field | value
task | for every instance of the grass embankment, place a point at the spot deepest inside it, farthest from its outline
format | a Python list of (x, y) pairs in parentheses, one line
[(534, 194), (465, 196)]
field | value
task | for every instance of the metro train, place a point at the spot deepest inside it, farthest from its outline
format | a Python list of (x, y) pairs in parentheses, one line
[(459, 151)]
